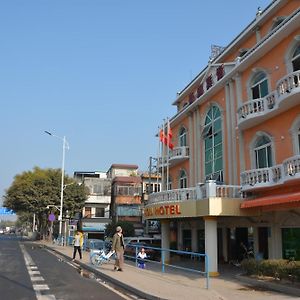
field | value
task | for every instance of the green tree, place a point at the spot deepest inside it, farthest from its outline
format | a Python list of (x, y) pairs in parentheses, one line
[(128, 228), (32, 191)]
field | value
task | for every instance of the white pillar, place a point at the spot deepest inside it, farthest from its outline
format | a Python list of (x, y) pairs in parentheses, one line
[(165, 238), (275, 242), (211, 244)]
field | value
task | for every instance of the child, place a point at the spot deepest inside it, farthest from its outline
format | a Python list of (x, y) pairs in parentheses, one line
[(141, 258)]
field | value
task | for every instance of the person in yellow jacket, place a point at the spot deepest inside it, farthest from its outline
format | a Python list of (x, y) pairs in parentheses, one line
[(78, 243)]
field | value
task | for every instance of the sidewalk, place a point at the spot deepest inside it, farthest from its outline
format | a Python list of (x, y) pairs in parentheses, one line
[(151, 283)]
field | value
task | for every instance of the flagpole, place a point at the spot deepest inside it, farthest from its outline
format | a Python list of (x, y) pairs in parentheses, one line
[(168, 153), (163, 159), (157, 161)]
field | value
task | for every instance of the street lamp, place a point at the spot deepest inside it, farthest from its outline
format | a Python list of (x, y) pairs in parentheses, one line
[(65, 145)]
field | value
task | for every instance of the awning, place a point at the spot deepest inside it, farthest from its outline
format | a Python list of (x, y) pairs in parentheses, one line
[(291, 198)]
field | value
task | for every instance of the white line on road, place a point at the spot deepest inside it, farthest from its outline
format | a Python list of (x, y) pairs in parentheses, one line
[(38, 288)]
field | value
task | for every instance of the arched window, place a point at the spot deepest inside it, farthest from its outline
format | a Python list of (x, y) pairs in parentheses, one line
[(212, 136), (182, 137), (182, 180), (296, 59), (263, 152), (295, 131), (259, 86), (298, 139)]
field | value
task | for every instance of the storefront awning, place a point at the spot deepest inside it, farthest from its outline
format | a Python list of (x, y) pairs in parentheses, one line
[(291, 198)]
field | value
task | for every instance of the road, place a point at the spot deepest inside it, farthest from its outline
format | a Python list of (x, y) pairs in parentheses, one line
[(29, 272)]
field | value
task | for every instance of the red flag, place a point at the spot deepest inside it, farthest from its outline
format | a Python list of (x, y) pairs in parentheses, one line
[(168, 138), (161, 135)]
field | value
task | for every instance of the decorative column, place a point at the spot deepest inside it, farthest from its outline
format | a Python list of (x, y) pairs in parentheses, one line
[(165, 238), (191, 143), (211, 244)]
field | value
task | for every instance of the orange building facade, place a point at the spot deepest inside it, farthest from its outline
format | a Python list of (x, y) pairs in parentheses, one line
[(234, 171)]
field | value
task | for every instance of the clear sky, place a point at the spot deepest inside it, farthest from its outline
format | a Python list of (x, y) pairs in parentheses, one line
[(104, 73)]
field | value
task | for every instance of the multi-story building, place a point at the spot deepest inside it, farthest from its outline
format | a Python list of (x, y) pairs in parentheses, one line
[(234, 172), (151, 183), (96, 211), (126, 195)]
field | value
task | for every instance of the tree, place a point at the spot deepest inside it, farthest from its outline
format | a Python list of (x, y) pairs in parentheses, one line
[(128, 228), (32, 191)]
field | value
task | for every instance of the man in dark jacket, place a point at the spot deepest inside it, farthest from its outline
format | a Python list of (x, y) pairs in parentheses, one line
[(118, 246)]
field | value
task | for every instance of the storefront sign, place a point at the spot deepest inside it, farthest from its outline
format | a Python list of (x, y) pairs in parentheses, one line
[(164, 210)]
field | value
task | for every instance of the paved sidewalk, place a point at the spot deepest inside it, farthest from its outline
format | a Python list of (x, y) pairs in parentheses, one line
[(176, 284)]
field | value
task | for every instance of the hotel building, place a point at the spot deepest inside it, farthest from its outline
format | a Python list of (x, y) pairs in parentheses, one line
[(234, 171)]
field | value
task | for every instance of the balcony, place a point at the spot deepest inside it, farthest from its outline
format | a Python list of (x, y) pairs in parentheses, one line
[(283, 98), (269, 177), (176, 155), (207, 199), (202, 191)]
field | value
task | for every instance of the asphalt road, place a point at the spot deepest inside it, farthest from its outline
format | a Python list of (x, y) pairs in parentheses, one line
[(29, 272)]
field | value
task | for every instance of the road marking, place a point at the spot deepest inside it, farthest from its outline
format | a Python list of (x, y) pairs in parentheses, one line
[(37, 278), (32, 270), (40, 287)]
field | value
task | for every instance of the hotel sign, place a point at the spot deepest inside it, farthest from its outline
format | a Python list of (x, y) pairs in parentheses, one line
[(163, 210)]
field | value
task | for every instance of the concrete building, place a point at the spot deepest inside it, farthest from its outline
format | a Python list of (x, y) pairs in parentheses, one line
[(96, 211), (234, 171), (126, 195)]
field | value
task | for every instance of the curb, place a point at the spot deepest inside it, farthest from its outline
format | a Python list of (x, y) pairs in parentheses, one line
[(269, 285), (109, 279)]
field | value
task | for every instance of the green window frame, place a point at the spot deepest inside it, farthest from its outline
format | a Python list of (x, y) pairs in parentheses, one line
[(213, 144), (263, 153), (259, 87)]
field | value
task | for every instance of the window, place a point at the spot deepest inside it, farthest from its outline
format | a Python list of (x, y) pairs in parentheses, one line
[(298, 150), (259, 87), (263, 153), (169, 184), (182, 180), (87, 212), (182, 137), (296, 59), (99, 212), (212, 135)]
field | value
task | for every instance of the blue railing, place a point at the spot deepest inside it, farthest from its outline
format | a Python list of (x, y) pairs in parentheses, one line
[(158, 255)]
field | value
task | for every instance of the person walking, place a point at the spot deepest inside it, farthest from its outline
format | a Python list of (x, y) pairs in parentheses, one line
[(78, 242), (118, 247)]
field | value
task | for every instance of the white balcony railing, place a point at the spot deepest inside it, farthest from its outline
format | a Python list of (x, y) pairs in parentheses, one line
[(286, 87), (202, 191), (175, 155), (291, 167), (179, 153), (268, 177), (288, 83)]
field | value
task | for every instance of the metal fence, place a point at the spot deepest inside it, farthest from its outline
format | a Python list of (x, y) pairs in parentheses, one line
[(158, 256)]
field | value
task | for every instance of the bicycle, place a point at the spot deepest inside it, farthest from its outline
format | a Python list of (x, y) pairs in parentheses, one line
[(98, 257)]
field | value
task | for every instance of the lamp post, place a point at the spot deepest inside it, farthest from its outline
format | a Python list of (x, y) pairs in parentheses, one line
[(65, 145)]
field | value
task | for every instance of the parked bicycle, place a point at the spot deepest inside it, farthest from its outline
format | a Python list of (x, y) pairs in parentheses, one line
[(98, 257)]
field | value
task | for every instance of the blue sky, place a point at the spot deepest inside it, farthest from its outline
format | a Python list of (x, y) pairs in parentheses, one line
[(104, 73)]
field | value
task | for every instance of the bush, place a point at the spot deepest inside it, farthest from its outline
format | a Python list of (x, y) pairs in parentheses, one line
[(250, 266), (281, 269)]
